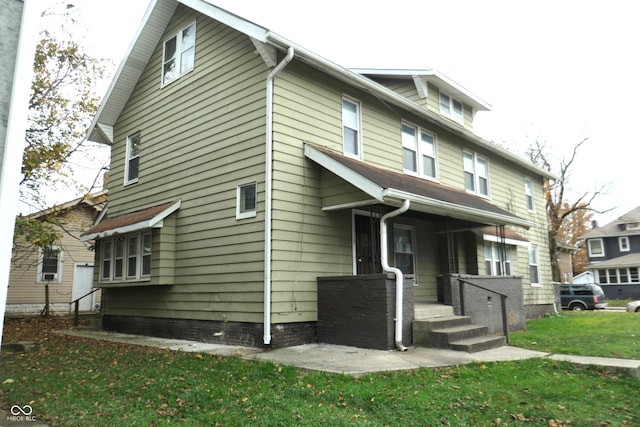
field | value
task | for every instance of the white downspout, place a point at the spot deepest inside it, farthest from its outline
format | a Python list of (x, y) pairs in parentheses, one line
[(384, 250), (268, 190)]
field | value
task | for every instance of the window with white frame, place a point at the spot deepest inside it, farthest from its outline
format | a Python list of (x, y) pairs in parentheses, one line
[(528, 193), (418, 151), (126, 257), (132, 161), (624, 244), (451, 108), (596, 247), (534, 263), (246, 200), (497, 259), (476, 173), (611, 276), (404, 249), (50, 265), (351, 128), (179, 54)]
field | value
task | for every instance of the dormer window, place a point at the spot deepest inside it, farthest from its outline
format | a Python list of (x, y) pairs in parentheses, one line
[(451, 108), (179, 54), (633, 226)]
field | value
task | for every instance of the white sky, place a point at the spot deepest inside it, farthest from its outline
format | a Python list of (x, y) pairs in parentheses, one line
[(559, 71)]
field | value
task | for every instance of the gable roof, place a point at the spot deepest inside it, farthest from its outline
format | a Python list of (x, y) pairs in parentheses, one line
[(150, 32), (616, 227), (426, 196), (134, 221), (94, 200)]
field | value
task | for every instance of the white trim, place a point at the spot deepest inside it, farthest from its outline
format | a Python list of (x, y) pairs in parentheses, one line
[(528, 188), (344, 172), (512, 242), (591, 254), (178, 55), (622, 247), (127, 158), (59, 268), (246, 213), (359, 155)]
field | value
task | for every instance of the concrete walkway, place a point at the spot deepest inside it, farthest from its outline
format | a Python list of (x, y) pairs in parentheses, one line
[(356, 361)]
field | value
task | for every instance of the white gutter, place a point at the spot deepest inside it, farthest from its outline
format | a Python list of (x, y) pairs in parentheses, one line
[(268, 190), (384, 250)]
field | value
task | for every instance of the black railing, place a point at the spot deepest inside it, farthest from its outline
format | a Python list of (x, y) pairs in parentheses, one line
[(76, 303), (503, 304)]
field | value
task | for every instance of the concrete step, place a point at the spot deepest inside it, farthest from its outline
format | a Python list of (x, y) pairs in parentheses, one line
[(454, 332), (473, 345), (91, 322), (429, 310)]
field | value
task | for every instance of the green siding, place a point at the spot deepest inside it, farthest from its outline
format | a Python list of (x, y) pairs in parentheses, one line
[(192, 150)]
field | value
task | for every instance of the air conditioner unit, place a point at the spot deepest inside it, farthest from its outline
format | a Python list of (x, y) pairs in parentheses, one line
[(49, 277)]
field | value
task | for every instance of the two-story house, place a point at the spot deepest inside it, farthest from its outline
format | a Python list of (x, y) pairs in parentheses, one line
[(245, 167), (614, 256)]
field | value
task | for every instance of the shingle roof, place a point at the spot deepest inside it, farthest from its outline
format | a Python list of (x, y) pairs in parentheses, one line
[(630, 260), (131, 219), (430, 190), (614, 228)]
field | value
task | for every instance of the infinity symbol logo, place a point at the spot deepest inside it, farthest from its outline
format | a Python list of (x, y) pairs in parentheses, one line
[(24, 410)]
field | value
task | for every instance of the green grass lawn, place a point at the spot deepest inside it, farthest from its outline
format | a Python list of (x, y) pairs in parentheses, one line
[(584, 333), (74, 381)]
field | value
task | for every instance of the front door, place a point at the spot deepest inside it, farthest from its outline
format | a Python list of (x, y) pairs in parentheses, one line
[(367, 243)]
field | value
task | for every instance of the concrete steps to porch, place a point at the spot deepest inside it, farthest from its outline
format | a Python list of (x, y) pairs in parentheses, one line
[(452, 332), (90, 321)]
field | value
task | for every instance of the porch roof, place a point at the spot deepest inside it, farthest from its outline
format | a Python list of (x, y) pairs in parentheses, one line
[(392, 188), (625, 261), (135, 221)]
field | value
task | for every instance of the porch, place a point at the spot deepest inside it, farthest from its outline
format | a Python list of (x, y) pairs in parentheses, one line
[(475, 312)]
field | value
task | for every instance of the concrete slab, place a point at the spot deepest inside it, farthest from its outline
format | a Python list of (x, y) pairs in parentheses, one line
[(358, 361), (632, 367)]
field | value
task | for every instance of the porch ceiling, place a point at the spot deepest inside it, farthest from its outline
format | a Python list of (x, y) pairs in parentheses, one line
[(392, 188)]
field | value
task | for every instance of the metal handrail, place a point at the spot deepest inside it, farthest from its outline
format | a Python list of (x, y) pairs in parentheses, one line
[(503, 304), (77, 305)]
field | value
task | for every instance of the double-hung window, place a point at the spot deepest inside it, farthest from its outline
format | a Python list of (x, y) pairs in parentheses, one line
[(418, 151), (126, 257), (624, 244), (49, 265), (596, 247), (528, 193), (476, 174), (404, 249), (497, 260), (179, 54), (534, 262), (351, 128), (132, 165), (451, 108)]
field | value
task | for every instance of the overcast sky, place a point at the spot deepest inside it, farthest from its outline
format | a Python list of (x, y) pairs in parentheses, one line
[(552, 70)]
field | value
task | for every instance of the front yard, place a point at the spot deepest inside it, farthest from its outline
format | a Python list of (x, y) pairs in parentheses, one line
[(73, 381)]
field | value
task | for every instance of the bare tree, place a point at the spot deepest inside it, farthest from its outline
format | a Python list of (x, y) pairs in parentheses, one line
[(559, 209)]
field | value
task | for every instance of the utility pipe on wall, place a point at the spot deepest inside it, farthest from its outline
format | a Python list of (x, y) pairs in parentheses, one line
[(396, 271), (268, 190)]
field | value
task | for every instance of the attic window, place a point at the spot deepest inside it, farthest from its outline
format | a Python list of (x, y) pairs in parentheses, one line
[(451, 108), (179, 54), (633, 226)]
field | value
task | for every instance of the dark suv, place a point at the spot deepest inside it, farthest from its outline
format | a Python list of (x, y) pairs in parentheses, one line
[(582, 296)]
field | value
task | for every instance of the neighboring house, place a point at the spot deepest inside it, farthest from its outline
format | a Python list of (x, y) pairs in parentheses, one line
[(245, 167), (565, 262), (67, 267), (614, 255)]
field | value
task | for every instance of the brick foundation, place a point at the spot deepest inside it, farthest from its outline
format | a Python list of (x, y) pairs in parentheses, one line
[(229, 333)]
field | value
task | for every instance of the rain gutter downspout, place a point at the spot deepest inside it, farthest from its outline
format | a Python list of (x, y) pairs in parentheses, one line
[(268, 195), (396, 271)]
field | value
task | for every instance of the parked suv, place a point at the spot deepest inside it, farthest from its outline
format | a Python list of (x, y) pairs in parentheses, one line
[(582, 297)]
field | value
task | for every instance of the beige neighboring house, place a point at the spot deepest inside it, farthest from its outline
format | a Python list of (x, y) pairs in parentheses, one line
[(67, 268)]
